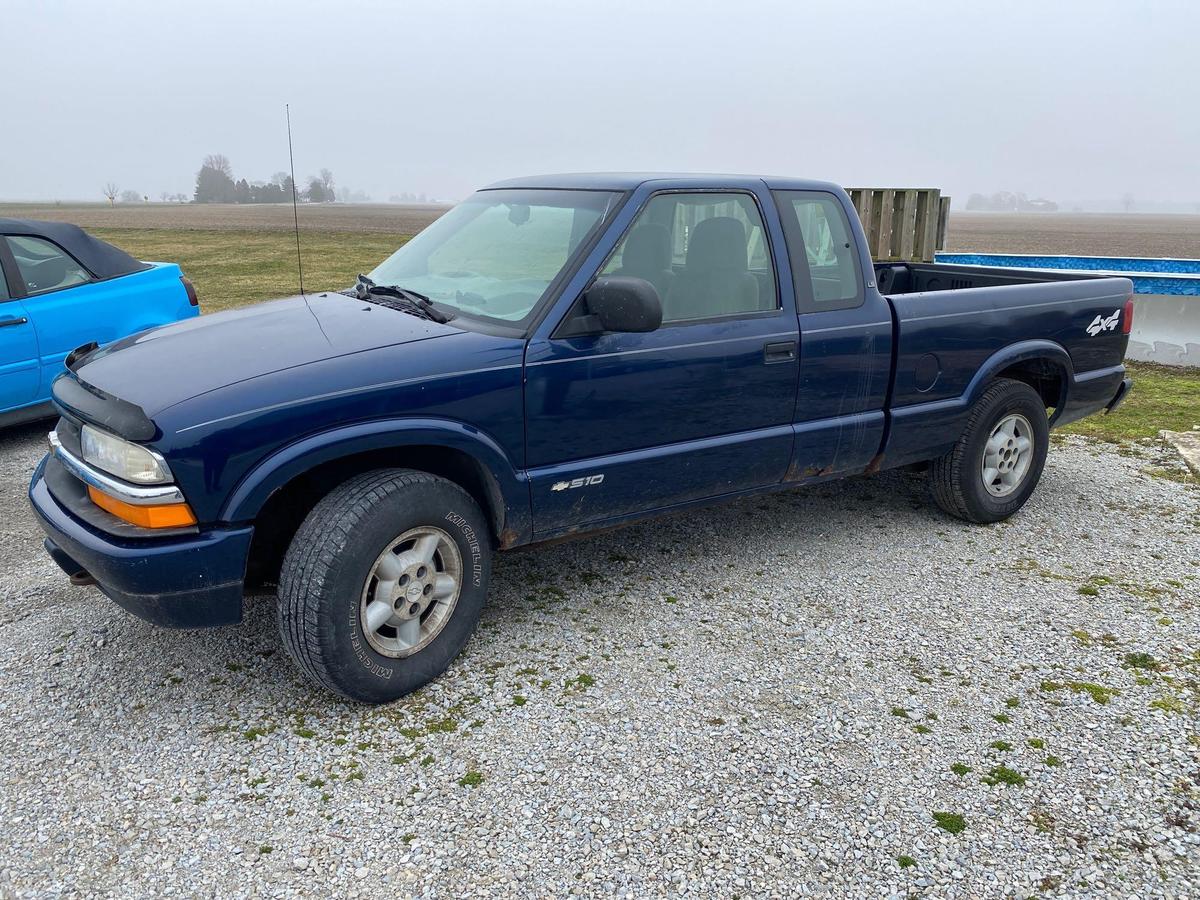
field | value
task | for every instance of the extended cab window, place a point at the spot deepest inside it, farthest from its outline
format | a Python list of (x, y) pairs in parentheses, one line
[(821, 247), (706, 254), (43, 266)]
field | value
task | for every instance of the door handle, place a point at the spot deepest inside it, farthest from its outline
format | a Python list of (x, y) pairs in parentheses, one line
[(779, 352), (4, 323)]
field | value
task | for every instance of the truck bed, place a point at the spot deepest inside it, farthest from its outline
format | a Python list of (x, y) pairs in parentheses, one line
[(952, 320), (912, 278)]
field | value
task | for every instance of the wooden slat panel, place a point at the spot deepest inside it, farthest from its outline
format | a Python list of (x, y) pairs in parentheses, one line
[(882, 248), (926, 227), (943, 221), (902, 224), (908, 227)]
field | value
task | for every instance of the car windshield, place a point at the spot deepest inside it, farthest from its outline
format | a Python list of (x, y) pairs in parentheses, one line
[(495, 254)]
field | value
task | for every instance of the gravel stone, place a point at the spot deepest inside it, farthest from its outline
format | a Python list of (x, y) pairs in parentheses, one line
[(710, 712)]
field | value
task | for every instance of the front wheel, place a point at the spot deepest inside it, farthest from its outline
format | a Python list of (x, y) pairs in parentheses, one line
[(996, 463), (384, 583)]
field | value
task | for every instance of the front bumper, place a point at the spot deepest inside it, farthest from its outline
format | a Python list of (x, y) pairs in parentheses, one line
[(185, 580)]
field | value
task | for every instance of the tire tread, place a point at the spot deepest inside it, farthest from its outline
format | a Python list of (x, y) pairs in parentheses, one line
[(946, 473), (316, 552)]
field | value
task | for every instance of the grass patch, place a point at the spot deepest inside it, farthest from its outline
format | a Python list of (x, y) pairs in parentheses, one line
[(1002, 718), (1002, 746), (471, 779), (581, 682), (1162, 397), (905, 862), (1036, 743), (1003, 775), (1053, 761), (1098, 692), (1140, 661), (922, 729), (1169, 704), (951, 822), (236, 268), (960, 769), (900, 712)]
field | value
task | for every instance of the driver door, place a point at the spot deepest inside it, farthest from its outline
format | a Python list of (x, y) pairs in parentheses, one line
[(622, 424), (19, 371)]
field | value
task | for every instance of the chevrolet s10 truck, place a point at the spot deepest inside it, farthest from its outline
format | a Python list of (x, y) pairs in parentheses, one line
[(554, 355)]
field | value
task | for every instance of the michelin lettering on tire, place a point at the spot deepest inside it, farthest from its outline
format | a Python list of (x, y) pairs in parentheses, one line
[(363, 653), (472, 542)]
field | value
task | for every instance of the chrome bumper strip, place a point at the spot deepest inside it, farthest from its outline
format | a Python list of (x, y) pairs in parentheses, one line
[(138, 496)]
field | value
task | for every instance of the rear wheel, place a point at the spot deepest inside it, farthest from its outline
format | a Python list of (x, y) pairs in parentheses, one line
[(996, 463), (384, 583)]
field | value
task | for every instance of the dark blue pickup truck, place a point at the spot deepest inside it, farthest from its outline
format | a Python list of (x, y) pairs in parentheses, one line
[(554, 355)]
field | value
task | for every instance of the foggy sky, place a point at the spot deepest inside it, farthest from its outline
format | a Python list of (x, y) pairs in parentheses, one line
[(1076, 100)]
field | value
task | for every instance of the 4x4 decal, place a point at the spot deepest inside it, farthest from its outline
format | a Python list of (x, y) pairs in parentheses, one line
[(1102, 323)]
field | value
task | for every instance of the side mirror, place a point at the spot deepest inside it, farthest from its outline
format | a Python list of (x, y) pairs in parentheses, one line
[(623, 303)]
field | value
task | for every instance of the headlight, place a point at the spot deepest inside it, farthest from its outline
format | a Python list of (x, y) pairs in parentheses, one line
[(126, 460)]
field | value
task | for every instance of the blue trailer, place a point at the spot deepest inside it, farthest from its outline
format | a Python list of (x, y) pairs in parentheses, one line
[(1167, 302)]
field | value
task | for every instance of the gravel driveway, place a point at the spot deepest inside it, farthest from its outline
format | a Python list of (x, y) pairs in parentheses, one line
[(836, 691)]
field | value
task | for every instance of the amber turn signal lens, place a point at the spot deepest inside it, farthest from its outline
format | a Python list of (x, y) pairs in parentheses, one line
[(171, 515)]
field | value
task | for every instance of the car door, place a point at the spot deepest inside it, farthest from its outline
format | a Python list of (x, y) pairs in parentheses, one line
[(846, 338), (60, 297), (19, 375), (620, 424)]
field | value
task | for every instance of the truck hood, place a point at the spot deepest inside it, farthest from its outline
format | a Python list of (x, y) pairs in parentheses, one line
[(159, 368)]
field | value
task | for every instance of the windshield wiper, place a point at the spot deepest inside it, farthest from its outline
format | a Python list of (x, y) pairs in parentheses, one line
[(409, 301)]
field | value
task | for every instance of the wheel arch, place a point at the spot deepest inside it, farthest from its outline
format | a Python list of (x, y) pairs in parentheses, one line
[(280, 490), (1044, 365)]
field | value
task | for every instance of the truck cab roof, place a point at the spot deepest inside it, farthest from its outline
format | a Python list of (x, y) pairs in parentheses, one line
[(629, 181)]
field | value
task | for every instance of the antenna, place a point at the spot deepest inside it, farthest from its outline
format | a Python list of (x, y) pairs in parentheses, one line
[(295, 209)]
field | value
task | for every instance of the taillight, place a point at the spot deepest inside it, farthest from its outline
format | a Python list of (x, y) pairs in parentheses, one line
[(1127, 319), (191, 291)]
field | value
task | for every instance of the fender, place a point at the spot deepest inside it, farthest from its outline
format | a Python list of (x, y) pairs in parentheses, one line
[(924, 430), (510, 486), (1016, 353)]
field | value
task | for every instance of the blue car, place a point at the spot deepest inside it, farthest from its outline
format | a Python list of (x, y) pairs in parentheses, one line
[(61, 288)]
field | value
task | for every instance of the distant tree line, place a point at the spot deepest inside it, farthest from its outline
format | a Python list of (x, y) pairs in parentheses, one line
[(1005, 201), (215, 184), (407, 197), (113, 193)]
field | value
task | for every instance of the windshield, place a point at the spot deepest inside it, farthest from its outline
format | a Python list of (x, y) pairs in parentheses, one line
[(495, 254)]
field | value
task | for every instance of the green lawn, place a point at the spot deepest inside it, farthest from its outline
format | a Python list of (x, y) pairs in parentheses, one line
[(233, 268), (1162, 397)]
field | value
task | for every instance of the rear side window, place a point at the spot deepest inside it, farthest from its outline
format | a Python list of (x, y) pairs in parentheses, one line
[(821, 248), (43, 266)]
